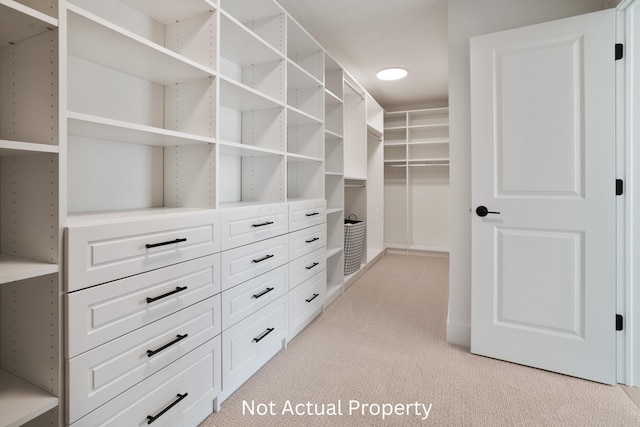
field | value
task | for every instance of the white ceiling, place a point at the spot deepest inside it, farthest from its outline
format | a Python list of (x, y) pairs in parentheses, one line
[(365, 36)]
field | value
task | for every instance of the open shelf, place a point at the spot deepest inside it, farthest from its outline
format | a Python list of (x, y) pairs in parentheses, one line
[(432, 117), (169, 11), (304, 51), (241, 97), (14, 268), (21, 401), (243, 47), (19, 22), (89, 126), (17, 148), (114, 47), (263, 17), (305, 178), (333, 78)]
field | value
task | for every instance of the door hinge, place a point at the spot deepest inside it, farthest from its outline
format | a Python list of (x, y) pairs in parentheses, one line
[(619, 187), (619, 322), (619, 51)]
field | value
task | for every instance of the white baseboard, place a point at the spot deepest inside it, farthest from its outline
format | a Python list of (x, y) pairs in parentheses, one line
[(459, 335)]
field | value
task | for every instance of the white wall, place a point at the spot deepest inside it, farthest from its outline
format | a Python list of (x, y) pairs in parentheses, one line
[(468, 18)]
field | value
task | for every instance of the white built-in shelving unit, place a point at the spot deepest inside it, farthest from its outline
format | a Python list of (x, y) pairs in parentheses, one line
[(141, 105), (416, 179), (145, 111), (30, 272)]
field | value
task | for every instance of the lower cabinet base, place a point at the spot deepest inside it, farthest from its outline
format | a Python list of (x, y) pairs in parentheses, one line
[(182, 394)]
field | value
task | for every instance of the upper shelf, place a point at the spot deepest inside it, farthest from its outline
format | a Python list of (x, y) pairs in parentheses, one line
[(262, 17), (16, 148), (169, 11), (101, 42), (241, 97), (115, 130), (251, 10), (20, 401), (304, 51), (14, 268), (19, 22), (243, 47)]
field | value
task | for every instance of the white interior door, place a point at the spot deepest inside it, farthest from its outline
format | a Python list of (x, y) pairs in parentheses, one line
[(543, 165)]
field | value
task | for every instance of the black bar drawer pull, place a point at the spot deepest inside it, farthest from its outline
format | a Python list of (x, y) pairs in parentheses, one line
[(255, 261), (262, 225), (179, 338), (178, 289), (264, 334), (312, 265), (152, 418), (266, 291), (312, 240), (312, 298), (170, 242), (312, 214)]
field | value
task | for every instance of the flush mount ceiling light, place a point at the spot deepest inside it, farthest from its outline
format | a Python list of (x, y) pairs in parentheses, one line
[(392, 74)]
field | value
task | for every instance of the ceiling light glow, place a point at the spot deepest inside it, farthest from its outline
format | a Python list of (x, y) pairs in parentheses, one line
[(392, 74)]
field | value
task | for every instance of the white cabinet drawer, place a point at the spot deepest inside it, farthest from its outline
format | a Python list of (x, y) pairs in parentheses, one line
[(306, 302), (249, 344), (102, 313), (104, 251), (101, 374), (241, 226), (307, 240), (196, 376), (250, 296), (246, 262), (306, 213), (306, 266)]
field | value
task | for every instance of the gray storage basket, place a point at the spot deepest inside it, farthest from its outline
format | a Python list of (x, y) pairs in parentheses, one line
[(353, 244)]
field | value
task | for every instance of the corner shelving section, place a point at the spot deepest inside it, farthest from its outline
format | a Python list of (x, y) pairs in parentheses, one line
[(416, 179), (334, 175), (30, 361)]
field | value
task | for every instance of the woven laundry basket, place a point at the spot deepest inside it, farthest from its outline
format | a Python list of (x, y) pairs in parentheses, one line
[(353, 244)]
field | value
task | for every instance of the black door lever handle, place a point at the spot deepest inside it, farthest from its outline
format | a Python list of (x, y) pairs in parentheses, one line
[(482, 211)]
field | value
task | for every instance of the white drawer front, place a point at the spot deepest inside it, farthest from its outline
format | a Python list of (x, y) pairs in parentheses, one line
[(198, 375), (102, 313), (306, 302), (307, 213), (99, 253), (250, 296), (246, 262), (241, 226), (249, 344), (101, 374), (306, 266), (307, 240)]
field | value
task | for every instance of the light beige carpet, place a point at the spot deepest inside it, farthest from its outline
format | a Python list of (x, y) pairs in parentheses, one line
[(382, 344)]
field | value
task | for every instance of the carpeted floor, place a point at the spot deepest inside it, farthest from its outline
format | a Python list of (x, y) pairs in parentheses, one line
[(378, 356)]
